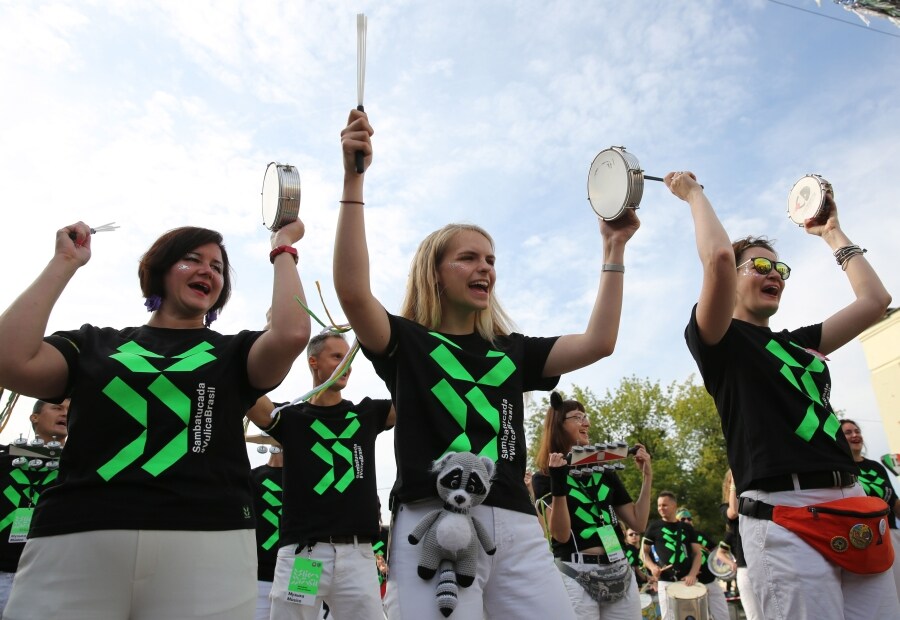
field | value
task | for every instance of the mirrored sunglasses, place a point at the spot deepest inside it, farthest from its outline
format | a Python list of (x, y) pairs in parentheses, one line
[(763, 266)]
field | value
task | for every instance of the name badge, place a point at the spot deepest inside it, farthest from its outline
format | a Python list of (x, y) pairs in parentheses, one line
[(611, 544), (18, 533), (304, 582)]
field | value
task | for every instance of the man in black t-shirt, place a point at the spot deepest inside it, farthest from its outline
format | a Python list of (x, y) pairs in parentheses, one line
[(330, 514), (677, 551), (267, 502), (718, 606), (22, 483)]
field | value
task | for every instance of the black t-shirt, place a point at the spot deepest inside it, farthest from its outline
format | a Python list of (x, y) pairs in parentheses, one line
[(457, 394), (672, 542), (329, 469), (267, 483), (156, 439), (772, 391), (591, 501), (21, 487), (708, 545), (875, 482)]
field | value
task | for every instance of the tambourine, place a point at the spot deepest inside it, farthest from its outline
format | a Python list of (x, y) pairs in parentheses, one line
[(280, 195), (807, 198), (719, 567), (615, 183), (600, 453)]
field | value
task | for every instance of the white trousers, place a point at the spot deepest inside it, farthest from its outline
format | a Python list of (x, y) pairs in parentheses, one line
[(586, 608), (519, 581), (792, 580), (349, 583), (895, 536), (715, 597), (748, 597), (136, 575)]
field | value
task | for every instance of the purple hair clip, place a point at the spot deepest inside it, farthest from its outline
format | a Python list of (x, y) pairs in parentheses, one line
[(211, 316)]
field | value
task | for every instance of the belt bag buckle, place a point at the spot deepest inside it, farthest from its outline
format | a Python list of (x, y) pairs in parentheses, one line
[(850, 532)]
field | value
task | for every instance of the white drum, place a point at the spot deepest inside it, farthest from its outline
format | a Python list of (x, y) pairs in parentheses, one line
[(280, 195), (687, 602), (807, 198), (615, 183)]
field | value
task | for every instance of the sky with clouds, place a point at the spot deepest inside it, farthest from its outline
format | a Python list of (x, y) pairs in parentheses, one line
[(162, 114)]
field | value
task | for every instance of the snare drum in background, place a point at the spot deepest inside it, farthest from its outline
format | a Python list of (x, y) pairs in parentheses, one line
[(687, 602), (807, 198), (280, 195), (615, 183), (649, 607)]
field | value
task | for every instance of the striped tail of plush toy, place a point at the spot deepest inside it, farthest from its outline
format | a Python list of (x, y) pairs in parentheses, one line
[(447, 589)]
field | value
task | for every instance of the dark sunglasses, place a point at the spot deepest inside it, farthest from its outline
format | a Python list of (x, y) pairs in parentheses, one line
[(763, 266)]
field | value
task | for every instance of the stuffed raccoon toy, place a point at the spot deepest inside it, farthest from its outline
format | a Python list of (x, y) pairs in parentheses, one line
[(450, 535)]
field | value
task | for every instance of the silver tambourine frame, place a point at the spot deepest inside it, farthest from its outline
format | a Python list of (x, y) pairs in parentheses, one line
[(816, 187), (622, 169), (280, 195), (716, 567)]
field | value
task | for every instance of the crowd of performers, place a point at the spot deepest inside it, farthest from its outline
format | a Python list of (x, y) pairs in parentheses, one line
[(153, 513)]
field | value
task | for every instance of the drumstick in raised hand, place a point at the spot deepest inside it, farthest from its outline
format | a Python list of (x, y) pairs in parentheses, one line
[(102, 228), (361, 24)]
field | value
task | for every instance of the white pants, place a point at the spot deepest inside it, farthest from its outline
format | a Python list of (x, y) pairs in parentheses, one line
[(748, 596), (349, 583), (136, 575), (519, 581), (263, 604), (715, 597), (586, 608), (6, 581), (792, 580)]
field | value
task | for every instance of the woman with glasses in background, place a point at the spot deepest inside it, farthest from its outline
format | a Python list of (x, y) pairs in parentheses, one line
[(772, 393), (581, 509)]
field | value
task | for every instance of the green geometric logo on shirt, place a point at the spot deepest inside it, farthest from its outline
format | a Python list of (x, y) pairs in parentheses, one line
[(458, 406), (272, 498), (137, 360), (590, 496), (337, 449), (30, 490), (871, 482), (790, 370), (673, 540)]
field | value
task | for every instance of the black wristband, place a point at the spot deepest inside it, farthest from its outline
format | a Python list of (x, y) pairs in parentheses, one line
[(559, 486)]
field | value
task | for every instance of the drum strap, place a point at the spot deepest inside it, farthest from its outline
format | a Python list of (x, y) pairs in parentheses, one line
[(848, 532)]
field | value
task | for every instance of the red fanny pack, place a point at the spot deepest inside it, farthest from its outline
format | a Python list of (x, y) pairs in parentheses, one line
[(851, 532)]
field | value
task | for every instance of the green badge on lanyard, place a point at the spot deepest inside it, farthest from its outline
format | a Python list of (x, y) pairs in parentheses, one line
[(304, 583), (18, 533), (611, 544)]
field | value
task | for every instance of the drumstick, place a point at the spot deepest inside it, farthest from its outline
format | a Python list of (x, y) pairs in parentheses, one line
[(102, 228), (649, 178), (360, 76)]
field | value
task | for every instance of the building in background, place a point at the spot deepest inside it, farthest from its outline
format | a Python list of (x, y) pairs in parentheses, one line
[(881, 344)]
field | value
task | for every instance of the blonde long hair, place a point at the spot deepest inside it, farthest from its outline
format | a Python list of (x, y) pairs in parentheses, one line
[(422, 302)]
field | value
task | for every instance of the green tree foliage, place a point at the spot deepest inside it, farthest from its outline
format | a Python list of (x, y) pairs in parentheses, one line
[(678, 425)]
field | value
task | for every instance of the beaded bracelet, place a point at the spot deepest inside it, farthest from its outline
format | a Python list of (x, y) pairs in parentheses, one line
[(844, 254)]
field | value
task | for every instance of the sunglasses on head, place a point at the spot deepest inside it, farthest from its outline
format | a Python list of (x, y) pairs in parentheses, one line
[(763, 266)]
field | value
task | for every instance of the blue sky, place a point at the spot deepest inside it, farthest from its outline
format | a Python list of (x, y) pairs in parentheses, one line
[(157, 115)]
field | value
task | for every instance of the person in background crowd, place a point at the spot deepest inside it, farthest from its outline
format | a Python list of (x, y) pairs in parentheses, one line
[(732, 539), (678, 554), (23, 483), (718, 606), (875, 481)]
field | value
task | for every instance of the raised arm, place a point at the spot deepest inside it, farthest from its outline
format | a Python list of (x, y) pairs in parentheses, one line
[(273, 353), (635, 514), (575, 351), (872, 299), (261, 412), (29, 365), (351, 254), (717, 293), (558, 521)]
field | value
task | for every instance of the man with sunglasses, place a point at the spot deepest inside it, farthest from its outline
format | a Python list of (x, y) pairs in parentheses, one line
[(772, 393)]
